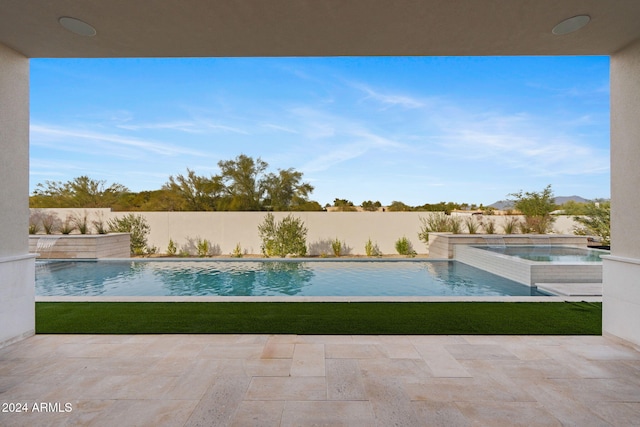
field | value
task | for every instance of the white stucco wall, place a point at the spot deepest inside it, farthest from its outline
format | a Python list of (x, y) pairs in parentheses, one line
[(621, 271), (227, 229), (17, 310)]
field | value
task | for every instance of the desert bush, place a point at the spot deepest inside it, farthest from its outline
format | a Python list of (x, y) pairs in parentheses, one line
[(99, 224), (68, 225), (49, 223), (489, 226), (434, 222), (371, 249), (404, 247), (81, 221), (595, 222), (203, 247), (472, 225), (510, 225), (336, 246), (287, 237), (172, 249), (237, 251), (34, 223), (137, 226), (536, 206), (456, 224)]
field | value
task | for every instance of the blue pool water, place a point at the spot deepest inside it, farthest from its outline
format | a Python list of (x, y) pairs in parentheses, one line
[(269, 278), (549, 253)]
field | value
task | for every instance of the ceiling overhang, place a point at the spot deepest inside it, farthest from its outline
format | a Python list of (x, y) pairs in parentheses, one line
[(230, 28)]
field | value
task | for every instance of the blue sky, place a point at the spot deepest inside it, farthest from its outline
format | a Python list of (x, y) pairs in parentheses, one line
[(419, 129)]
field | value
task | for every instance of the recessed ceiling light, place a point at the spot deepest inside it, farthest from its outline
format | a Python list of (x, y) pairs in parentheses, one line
[(77, 26), (570, 25)]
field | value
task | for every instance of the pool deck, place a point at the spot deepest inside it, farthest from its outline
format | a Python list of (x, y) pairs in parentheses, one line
[(293, 380), (572, 289)]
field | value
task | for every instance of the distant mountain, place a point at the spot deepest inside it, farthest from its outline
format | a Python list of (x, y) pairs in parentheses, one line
[(560, 200), (502, 205), (564, 199)]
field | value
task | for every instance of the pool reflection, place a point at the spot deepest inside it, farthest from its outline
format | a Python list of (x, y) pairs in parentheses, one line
[(234, 279)]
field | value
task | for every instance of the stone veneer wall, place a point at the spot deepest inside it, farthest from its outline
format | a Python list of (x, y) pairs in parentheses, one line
[(81, 246), (441, 245), (529, 272)]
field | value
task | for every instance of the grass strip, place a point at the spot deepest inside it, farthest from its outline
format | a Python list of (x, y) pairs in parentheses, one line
[(406, 318)]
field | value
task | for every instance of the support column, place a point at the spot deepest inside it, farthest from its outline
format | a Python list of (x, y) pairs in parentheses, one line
[(17, 266), (621, 270)]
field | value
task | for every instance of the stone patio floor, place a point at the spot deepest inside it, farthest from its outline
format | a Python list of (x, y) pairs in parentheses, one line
[(289, 380)]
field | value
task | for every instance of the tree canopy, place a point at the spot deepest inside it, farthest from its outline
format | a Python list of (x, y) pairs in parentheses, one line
[(80, 192), (243, 184)]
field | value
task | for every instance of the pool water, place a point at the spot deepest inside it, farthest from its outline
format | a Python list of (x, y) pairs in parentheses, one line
[(549, 253), (269, 278)]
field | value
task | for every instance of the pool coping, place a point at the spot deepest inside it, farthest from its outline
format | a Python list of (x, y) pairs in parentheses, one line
[(248, 299)]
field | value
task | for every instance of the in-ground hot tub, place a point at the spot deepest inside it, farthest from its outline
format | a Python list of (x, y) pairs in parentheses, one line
[(535, 264)]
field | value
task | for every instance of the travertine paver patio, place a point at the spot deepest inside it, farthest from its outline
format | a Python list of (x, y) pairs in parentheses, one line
[(288, 380)]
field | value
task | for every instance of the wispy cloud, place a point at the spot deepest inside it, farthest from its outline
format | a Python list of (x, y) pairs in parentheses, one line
[(390, 100), (42, 134), (521, 141), (202, 126), (279, 128)]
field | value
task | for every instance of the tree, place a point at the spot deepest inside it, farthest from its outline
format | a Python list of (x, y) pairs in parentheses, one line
[(285, 190), (370, 206), (344, 205), (536, 206), (197, 193), (80, 192), (596, 221), (571, 207), (397, 206), (242, 180), (311, 205)]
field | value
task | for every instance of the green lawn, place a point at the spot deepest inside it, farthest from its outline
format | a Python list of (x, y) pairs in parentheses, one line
[(479, 318)]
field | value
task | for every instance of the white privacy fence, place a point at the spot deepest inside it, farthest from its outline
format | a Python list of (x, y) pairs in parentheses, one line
[(225, 230)]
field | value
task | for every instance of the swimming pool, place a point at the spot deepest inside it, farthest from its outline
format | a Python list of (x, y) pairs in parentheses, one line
[(549, 253), (269, 278)]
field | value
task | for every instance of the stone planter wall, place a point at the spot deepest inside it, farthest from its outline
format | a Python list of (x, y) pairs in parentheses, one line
[(441, 244), (529, 272), (80, 246)]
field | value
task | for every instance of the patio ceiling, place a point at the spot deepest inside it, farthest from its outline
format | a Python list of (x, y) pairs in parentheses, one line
[(185, 28)]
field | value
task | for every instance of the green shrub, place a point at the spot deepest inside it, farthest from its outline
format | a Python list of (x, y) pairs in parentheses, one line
[(434, 222), (287, 237), (172, 248), (371, 249), (596, 221), (203, 247), (404, 247), (237, 251), (536, 206), (137, 226), (336, 246)]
